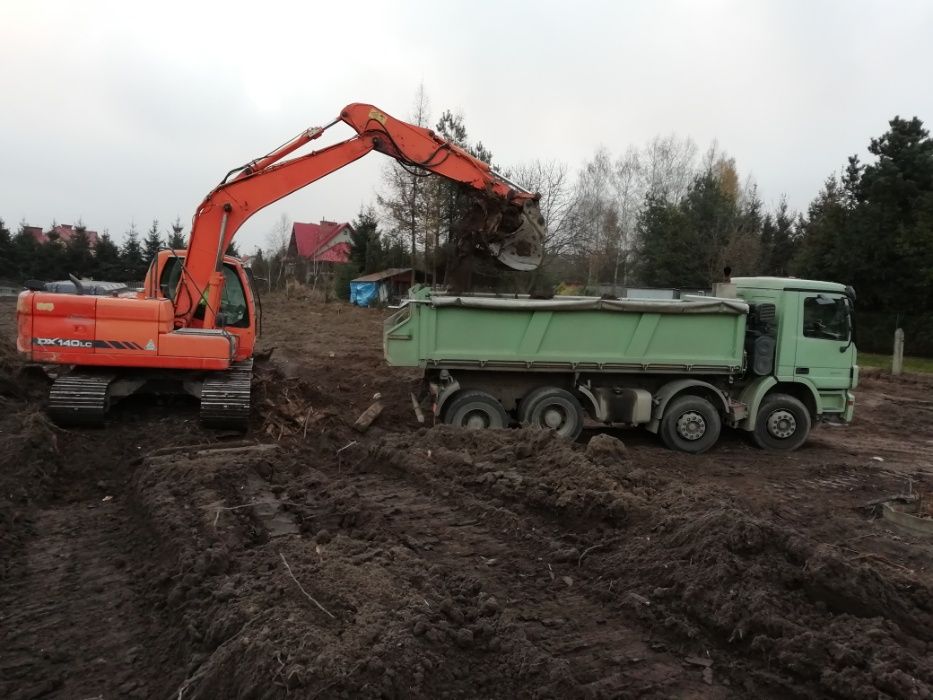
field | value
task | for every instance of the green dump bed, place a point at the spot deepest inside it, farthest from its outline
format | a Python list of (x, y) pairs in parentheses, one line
[(695, 334)]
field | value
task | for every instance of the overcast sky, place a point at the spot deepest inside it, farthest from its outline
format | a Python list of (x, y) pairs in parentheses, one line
[(120, 112)]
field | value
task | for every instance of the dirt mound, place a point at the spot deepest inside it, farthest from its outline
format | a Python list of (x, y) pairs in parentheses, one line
[(816, 618), (292, 402), (531, 467), (606, 450)]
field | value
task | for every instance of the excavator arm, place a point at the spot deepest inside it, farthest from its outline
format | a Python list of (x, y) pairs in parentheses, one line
[(509, 226)]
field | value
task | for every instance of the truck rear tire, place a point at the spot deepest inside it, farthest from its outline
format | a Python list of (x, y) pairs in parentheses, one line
[(690, 424), (475, 410), (783, 423), (554, 409)]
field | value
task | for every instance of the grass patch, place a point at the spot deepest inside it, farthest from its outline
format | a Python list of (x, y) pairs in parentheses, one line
[(922, 365)]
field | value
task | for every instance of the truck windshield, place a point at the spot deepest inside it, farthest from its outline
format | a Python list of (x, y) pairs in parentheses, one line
[(825, 317)]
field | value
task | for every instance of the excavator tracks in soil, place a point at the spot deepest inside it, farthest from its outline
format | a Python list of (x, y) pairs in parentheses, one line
[(80, 399), (225, 397)]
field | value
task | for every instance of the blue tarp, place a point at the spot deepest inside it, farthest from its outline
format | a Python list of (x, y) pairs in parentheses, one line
[(364, 293)]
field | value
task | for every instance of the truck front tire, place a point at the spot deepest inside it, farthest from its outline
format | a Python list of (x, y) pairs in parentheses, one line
[(783, 423), (690, 424), (554, 409), (475, 410)]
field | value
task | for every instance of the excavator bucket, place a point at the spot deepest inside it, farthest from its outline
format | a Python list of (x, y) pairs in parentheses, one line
[(490, 227), (523, 247)]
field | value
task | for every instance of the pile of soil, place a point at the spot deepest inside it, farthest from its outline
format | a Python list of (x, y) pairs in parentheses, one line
[(801, 615)]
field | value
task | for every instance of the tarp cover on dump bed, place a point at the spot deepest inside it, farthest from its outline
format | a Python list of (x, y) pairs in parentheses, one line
[(694, 334), (693, 305)]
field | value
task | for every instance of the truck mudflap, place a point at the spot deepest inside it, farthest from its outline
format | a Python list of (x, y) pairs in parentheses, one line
[(849, 413), (738, 411), (442, 392)]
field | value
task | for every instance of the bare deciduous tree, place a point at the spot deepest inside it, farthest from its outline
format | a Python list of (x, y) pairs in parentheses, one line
[(403, 200), (610, 196), (277, 240), (551, 179), (668, 165), (595, 218)]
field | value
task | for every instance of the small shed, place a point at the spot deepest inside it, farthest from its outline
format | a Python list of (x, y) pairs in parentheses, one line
[(380, 287)]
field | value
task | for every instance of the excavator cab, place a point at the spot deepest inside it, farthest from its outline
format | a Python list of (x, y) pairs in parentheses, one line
[(239, 306)]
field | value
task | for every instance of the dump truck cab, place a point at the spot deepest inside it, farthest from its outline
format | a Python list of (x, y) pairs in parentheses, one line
[(814, 344)]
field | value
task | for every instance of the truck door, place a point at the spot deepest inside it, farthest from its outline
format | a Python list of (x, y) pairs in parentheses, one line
[(824, 354)]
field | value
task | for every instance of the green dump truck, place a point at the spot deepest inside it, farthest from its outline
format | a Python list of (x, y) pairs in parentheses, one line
[(771, 356)]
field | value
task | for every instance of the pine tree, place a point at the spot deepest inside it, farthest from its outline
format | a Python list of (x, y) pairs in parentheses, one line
[(894, 232), (365, 245), (50, 259), (783, 241), (79, 260), (176, 239), (131, 257), (823, 233), (874, 227), (27, 254), (767, 244), (152, 244), (108, 264), (8, 261), (666, 255), (709, 213)]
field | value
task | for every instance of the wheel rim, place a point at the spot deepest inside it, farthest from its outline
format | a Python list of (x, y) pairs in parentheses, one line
[(553, 417), (476, 419), (782, 424), (691, 426)]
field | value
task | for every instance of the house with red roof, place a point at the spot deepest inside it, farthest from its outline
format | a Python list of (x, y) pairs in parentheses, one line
[(327, 242), (59, 232)]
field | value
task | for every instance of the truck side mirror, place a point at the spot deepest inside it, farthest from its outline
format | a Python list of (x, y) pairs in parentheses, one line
[(849, 302)]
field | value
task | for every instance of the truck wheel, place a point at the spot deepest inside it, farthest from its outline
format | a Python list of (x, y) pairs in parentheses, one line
[(783, 423), (690, 424), (553, 409), (475, 410)]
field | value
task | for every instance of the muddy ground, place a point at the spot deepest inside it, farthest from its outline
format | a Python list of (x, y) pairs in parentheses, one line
[(427, 562)]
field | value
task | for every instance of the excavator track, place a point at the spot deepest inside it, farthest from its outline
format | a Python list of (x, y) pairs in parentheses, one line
[(225, 397), (80, 398)]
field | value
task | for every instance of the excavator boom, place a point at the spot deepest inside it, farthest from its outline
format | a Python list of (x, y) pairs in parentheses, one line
[(511, 228)]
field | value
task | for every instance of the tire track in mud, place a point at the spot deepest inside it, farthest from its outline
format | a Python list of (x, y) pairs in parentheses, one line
[(70, 603), (563, 625), (435, 592)]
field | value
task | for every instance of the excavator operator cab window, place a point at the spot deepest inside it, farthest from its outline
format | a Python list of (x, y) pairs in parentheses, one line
[(232, 303)]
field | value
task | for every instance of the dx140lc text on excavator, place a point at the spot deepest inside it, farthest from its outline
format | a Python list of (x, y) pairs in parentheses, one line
[(194, 324)]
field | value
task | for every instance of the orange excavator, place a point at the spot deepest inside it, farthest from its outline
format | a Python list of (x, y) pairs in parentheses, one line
[(193, 326)]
